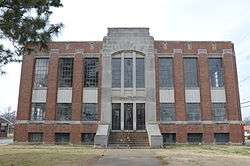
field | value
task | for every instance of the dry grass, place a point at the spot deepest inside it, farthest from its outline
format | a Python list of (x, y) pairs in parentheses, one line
[(18, 155)]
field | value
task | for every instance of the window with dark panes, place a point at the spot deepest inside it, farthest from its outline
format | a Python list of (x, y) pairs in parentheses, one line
[(89, 112), (62, 138), (38, 111), (194, 137), (35, 137), (190, 72), (193, 111), (140, 73), (128, 72), (64, 111), (216, 72), (41, 72), (91, 72), (169, 138), (116, 116), (167, 111), (88, 138), (221, 138), (219, 111), (116, 72), (66, 72), (166, 72)]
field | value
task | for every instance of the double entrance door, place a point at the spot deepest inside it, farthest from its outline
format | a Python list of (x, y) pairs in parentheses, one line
[(128, 116)]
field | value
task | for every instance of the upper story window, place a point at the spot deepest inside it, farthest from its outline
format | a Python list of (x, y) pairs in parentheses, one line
[(116, 72), (128, 72), (64, 111), (38, 111), (166, 72), (41, 72), (89, 112), (167, 111), (140, 73), (193, 111), (66, 72), (190, 72), (91, 72), (219, 111), (216, 72)]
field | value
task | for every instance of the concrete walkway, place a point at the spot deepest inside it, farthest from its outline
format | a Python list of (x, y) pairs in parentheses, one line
[(127, 160)]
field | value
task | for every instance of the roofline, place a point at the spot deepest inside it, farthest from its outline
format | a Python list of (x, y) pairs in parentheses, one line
[(5, 119), (216, 41)]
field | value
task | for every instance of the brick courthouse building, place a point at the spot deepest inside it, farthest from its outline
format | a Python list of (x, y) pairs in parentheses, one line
[(130, 89)]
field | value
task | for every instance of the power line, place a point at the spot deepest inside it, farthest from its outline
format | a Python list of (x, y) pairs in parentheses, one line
[(245, 102), (245, 106)]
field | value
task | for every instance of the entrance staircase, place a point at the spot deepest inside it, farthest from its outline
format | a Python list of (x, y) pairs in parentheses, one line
[(128, 139)]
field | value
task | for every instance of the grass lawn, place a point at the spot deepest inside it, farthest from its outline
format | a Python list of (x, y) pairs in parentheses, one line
[(18, 155)]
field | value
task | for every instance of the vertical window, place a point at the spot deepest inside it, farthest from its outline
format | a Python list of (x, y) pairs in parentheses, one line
[(116, 72), (89, 112), (64, 111), (140, 73), (167, 111), (35, 137), (215, 72), (62, 138), (190, 72), (193, 111), (221, 138), (219, 111), (194, 137), (41, 72), (88, 138), (65, 72), (166, 72), (128, 72), (91, 72), (38, 111), (169, 138), (116, 116)]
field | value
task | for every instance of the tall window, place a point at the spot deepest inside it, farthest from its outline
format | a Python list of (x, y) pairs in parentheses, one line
[(216, 72), (116, 72), (140, 73), (89, 112), (219, 111), (65, 72), (128, 72), (193, 111), (167, 111), (190, 71), (64, 111), (166, 72), (38, 111), (91, 72), (41, 72)]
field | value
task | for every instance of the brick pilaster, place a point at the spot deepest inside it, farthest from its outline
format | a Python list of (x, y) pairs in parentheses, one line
[(205, 93), (99, 89), (25, 88), (52, 87), (230, 81), (77, 87), (179, 86)]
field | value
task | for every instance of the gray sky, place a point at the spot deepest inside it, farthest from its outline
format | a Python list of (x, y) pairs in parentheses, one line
[(167, 20)]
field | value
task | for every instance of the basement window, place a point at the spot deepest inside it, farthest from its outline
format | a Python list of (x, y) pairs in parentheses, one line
[(169, 138), (88, 138), (62, 138), (64, 111), (35, 137), (221, 138), (91, 72), (194, 138), (65, 72), (38, 111), (89, 112)]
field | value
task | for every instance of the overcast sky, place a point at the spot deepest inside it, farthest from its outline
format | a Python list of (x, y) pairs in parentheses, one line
[(167, 20)]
